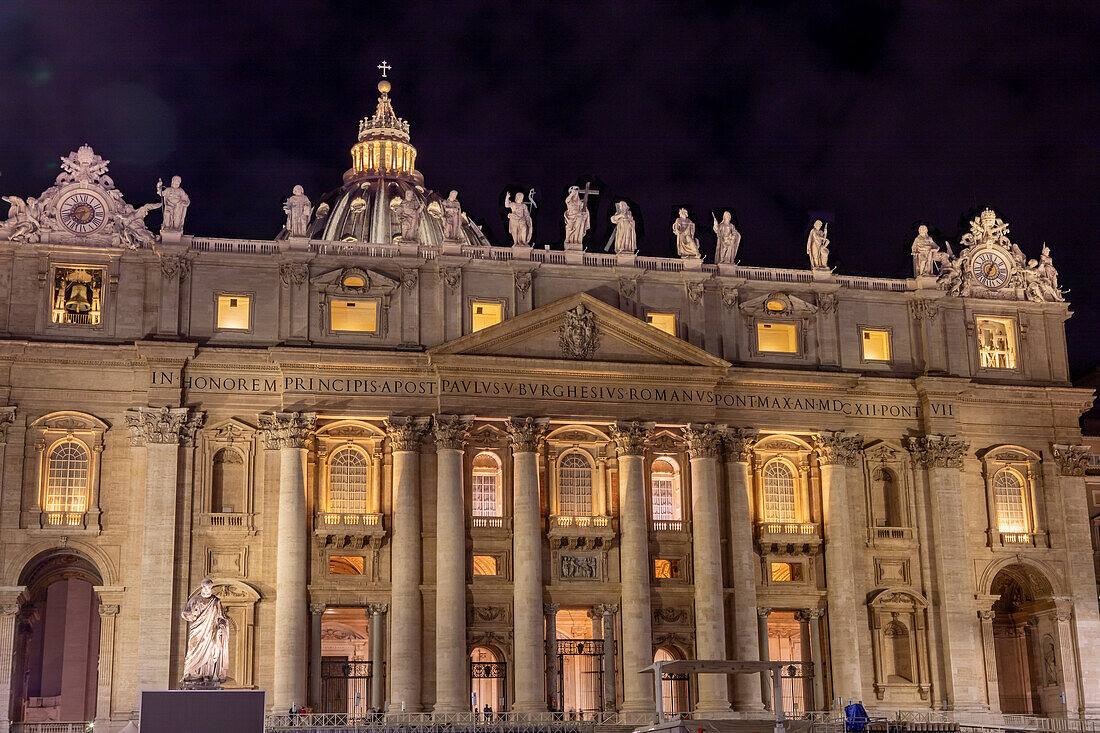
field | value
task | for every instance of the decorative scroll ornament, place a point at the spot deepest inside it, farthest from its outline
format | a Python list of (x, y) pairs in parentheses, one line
[(704, 441), (837, 448), (694, 291), (286, 429), (409, 277), (109, 609), (7, 417), (826, 303), (596, 613), (1072, 459), (377, 609), (175, 265), (578, 336), (526, 433), (523, 282), (923, 308), (938, 451), (630, 436), (293, 273), (450, 431), (405, 433), (451, 277), (162, 424), (739, 442), (665, 615)]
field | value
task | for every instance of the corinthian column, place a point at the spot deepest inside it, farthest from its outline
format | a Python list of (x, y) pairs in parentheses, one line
[(836, 451), (635, 567), (739, 442), (287, 433), (376, 637), (159, 431), (451, 670), (704, 446), (529, 647), (405, 434), (11, 600)]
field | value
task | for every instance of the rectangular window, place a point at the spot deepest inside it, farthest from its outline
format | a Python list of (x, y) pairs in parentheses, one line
[(356, 316), (77, 296), (485, 495), (666, 569), (664, 321), (664, 498), (997, 342), (345, 565), (778, 338), (234, 312), (485, 565), (876, 344), (485, 315), (786, 572)]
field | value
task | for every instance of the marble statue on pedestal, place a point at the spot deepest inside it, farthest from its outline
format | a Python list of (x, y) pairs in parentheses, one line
[(729, 239), (577, 219), (24, 220), (625, 239), (817, 246), (519, 220), (449, 213), (298, 209), (207, 640), (408, 211), (924, 252), (175, 201), (687, 246)]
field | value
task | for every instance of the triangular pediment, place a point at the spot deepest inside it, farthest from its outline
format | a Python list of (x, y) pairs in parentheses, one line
[(580, 328)]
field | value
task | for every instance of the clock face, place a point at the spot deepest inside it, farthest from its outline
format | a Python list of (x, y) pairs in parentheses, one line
[(990, 269), (82, 213)]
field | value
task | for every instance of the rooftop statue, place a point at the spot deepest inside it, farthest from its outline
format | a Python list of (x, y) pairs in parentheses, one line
[(449, 213), (624, 239), (578, 220), (926, 253), (687, 246), (729, 239), (1046, 269), (133, 234), (519, 219), (207, 640), (298, 209), (24, 220), (408, 210), (817, 246), (175, 201)]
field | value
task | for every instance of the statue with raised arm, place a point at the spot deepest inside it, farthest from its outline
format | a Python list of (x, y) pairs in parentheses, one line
[(408, 211), (1049, 274), (24, 220), (817, 246), (729, 239), (207, 640), (519, 220), (577, 219), (297, 208), (625, 238), (449, 213), (687, 246), (175, 201), (924, 252)]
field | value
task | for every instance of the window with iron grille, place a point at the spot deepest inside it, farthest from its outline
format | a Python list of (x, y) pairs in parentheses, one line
[(779, 502)]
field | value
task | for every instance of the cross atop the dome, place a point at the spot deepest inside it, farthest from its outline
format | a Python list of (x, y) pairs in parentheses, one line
[(384, 67)]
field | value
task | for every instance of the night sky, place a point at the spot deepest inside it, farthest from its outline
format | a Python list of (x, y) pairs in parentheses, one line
[(876, 115)]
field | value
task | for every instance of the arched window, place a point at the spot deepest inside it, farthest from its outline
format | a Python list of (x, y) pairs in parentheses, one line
[(67, 472), (665, 478), (574, 485), (888, 510), (779, 499), (227, 482), (348, 479), (1008, 498), (486, 486)]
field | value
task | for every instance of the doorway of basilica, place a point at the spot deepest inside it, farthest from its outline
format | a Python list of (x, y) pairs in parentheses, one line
[(488, 677), (675, 692), (580, 664), (787, 642), (346, 669)]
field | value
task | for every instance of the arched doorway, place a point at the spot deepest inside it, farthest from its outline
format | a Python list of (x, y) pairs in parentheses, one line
[(57, 648), (1026, 643), (487, 680), (346, 669), (675, 697)]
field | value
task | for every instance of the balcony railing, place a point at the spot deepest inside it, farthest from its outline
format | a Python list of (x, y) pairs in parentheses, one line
[(669, 525), (580, 532), (566, 521), (789, 537), (491, 522), (62, 520), (788, 528), (1022, 539), (236, 520), (51, 727), (334, 519), (893, 533)]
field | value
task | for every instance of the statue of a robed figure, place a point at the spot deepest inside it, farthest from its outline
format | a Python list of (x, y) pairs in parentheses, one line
[(207, 640)]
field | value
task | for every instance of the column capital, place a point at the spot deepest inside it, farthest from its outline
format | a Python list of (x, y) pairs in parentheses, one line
[(704, 441), (377, 609), (551, 608), (810, 614), (405, 433), (450, 431), (526, 432), (286, 429), (763, 612), (1072, 459), (937, 451), (604, 609), (838, 448), (163, 425), (630, 436), (986, 614), (7, 417), (109, 609), (316, 609), (739, 443)]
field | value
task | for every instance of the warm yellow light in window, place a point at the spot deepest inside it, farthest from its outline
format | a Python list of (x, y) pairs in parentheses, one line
[(360, 316), (775, 306), (777, 337), (233, 311), (876, 345), (345, 565), (664, 321), (485, 565), (665, 569), (486, 314), (354, 281), (786, 572), (997, 342)]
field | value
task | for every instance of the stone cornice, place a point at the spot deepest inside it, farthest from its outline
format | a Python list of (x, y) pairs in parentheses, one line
[(739, 443), (703, 441), (405, 433), (937, 451), (526, 433), (163, 425), (1072, 459), (837, 448), (286, 429), (630, 436), (450, 431)]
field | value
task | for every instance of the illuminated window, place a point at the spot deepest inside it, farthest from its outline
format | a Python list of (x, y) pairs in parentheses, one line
[(348, 478), (1008, 498), (485, 565), (234, 312), (779, 338), (486, 486), (486, 314), (666, 569), (360, 316), (997, 342), (354, 280), (876, 344), (779, 501), (786, 572), (345, 565), (666, 490), (664, 321), (77, 296), (775, 306), (574, 485), (67, 474)]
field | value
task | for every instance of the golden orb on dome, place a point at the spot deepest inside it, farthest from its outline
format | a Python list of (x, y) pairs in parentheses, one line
[(384, 86)]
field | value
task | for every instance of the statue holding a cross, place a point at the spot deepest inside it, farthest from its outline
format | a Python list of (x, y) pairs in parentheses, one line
[(577, 217)]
